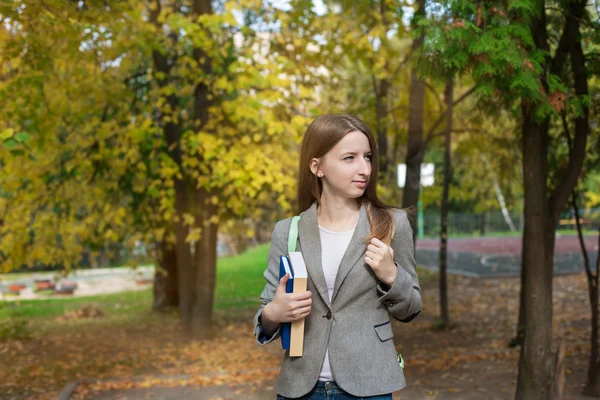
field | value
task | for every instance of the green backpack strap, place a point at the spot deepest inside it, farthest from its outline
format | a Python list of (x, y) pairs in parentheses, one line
[(401, 360), (293, 235)]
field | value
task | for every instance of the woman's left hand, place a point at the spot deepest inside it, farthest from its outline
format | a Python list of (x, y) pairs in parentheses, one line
[(380, 257)]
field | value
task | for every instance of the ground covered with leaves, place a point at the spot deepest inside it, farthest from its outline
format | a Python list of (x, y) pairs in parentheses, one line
[(145, 352)]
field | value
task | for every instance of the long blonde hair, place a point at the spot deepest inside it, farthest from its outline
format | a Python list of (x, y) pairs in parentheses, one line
[(320, 137)]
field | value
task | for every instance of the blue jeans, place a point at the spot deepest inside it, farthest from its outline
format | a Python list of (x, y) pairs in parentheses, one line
[(331, 391)]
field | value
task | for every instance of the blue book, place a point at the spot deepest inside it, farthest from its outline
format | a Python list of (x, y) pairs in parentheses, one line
[(286, 327)]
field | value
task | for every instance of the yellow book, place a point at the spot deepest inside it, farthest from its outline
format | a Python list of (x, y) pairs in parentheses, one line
[(300, 285)]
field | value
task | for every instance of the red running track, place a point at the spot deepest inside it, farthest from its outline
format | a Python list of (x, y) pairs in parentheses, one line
[(507, 245)]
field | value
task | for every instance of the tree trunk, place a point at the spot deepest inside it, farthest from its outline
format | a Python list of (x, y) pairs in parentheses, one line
[(415, 149), (575, 15), (200, 257), (104, 263), (381, 96), (520, 336), (165, 278), (535, 362), (444, 215), (542, 212), (197, 269), (201, 100), (592, 385), (558, 384), (196, 263), (205, 260), (186, 270), (482, 224)]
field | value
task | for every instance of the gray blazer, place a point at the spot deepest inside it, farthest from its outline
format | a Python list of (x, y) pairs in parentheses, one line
[(355, 324)]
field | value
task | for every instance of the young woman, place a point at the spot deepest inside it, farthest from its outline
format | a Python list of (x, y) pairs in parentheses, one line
[(360, 260)]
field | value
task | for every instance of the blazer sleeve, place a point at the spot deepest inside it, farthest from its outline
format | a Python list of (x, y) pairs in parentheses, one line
[(271, 274), (403, 298)]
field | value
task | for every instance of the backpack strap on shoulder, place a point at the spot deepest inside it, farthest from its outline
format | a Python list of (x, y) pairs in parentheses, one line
[(293, 235)]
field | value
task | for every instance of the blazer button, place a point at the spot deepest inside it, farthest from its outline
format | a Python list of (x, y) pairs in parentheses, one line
[(328, 316)]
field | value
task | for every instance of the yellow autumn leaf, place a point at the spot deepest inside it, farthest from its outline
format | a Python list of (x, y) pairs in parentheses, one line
[(6, 133), (193, 235)]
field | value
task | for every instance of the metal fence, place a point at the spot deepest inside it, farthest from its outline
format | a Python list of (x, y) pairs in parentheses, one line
[(493, 223)]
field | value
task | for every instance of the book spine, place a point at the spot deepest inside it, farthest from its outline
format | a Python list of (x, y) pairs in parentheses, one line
[(286, 327), (297, 331)]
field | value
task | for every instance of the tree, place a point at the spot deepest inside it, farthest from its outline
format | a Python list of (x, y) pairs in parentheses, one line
[(54, 208), (444, 216), (592, 385), (415, 148), (209, 95), (587, 190), (524, 69), (155, 123), (542, 209)]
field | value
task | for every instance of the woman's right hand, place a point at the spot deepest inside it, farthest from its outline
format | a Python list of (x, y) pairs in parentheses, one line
[(287, 307)]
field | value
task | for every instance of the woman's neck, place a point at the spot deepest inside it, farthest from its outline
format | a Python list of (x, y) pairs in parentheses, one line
[(338, 216)]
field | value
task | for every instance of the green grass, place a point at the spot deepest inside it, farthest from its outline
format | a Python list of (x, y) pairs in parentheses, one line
[(240, 279), (239, 284), (124, 303)]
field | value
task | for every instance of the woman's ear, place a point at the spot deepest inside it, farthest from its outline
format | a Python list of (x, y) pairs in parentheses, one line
[(314, 167)]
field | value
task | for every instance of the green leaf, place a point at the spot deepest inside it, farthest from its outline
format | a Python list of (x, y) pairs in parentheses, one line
[(10, 143), (22, 137), (17, 152)]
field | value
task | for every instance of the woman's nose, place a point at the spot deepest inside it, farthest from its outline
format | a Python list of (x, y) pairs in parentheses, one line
[(365, 167)]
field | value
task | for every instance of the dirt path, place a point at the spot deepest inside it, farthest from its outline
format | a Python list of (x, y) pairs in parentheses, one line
[(471, 361)]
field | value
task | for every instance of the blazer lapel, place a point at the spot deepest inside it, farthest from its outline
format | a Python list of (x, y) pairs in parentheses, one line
[(310, 243), (354, 252)]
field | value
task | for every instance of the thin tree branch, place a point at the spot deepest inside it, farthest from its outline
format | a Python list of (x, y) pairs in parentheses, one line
[(466, 130), (402, 63), (443, 115), (563, 116), (558, 61), (134, 76), (374, 81), (570, 174), (598, 258), (586, 258), (435, 93)]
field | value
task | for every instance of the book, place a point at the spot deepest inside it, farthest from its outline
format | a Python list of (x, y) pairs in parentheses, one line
[(300, 285), (285, 268)]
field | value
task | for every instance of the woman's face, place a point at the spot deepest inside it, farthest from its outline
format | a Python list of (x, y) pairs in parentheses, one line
[(346, 168)]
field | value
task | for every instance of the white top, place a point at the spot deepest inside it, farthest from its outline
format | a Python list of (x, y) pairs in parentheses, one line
[(333, 247)]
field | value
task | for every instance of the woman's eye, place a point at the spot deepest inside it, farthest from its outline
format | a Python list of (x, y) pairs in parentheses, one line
[(349, 158), (368, 157)]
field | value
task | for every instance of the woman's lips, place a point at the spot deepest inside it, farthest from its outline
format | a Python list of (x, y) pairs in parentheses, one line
[(360, 184)]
